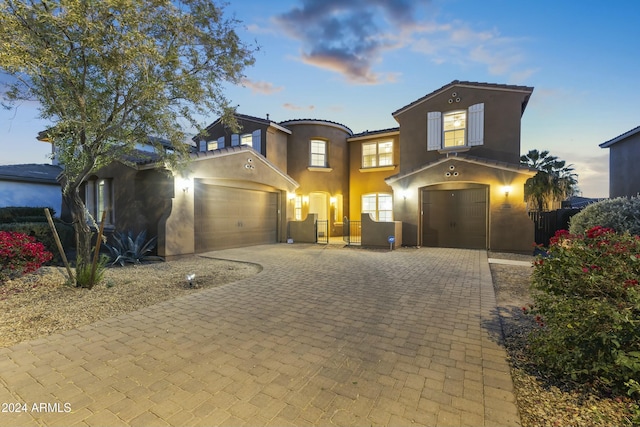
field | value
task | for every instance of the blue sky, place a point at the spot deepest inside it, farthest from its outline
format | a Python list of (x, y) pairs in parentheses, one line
[(355, 62)]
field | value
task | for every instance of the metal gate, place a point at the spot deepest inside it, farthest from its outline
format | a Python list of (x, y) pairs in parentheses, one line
[(322, 231), (352, 232)]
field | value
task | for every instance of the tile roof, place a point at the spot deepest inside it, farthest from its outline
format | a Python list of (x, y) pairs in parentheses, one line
[(315, 121), (375, 132), (469, 84), (621, 137), (41, 173)]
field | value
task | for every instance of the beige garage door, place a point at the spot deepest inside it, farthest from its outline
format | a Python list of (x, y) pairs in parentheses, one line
[(227, 217), (455, 218)]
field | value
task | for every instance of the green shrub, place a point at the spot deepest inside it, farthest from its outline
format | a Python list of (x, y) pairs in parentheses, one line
[(587, 303), (621, 214), (20, 254), (17, 213), (42, 233)]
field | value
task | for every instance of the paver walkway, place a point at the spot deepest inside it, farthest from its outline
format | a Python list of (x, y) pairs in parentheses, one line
[(322, 336)]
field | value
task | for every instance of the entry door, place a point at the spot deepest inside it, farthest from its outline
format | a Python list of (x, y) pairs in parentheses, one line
[(318, 204), (455, 218)]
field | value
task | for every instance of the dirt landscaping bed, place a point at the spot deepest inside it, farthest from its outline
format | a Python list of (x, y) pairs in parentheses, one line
[(42, 303)]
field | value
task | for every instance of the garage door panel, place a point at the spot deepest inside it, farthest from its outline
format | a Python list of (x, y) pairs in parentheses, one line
[(455, 218), (227, 217)]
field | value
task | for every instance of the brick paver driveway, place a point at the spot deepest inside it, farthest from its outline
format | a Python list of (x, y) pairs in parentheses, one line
[(321, 336)]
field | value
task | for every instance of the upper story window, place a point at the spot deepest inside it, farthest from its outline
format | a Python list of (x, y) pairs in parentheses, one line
[(214, 145), (253, 139), (375, 154), (318, 153), (454, 125), (455, 129)]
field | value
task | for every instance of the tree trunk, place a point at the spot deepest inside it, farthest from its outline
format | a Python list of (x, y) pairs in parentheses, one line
[(83, 232)]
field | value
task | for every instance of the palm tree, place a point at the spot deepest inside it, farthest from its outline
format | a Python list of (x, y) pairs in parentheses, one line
[(554, 182)]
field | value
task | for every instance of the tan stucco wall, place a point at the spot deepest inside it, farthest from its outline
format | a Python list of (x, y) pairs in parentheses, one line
[(177, 229), (365, 181), (376, 234), (276, 148), (510, 228), (503, 110), (334, 181), (303, 231)]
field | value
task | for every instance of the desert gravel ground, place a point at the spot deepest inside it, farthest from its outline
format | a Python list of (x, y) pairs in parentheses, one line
[(41, 303)]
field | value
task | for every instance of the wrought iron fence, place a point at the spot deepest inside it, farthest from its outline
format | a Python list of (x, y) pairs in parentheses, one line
[(322, 231), (547, 223), (352, 232)]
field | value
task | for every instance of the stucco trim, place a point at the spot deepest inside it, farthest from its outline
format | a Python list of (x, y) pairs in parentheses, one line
[(378, 169), (319, 169), (494, 165), (238, 150)]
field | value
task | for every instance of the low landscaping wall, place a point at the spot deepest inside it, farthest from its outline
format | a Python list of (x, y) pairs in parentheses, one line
[(376, 234), (303, 231)]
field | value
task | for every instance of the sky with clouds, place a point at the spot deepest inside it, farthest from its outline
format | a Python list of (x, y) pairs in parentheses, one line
[(357, 61)]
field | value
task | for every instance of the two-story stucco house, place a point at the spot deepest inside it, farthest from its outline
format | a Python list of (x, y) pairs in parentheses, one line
[(449, 173), (624, 174)]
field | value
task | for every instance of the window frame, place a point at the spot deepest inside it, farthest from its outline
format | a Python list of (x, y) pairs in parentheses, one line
[(379, 200), (99, 198), (313, 154), (473, 129), (377, 155)]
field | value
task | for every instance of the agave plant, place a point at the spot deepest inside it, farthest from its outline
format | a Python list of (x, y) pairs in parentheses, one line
[(127, 249)]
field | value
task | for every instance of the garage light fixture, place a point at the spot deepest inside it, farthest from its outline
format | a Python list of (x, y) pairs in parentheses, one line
[(185, 184)]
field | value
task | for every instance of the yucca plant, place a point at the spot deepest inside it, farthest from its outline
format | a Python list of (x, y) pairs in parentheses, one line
[(127, 249)]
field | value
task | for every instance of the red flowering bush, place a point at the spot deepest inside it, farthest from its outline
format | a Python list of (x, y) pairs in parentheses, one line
[(587, 303), (20, 254)]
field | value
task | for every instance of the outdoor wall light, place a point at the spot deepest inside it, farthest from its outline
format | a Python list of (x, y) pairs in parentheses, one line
[(185, 184), (404, 194), (506, 190), (305, 199), (333, 201), (291, 196)]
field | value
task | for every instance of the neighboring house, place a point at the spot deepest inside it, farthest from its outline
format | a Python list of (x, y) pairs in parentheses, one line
[(624, 174), (33, 185), (450, 173)]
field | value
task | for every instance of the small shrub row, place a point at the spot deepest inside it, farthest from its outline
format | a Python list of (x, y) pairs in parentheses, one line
[(20, 254), (23, 213), (587, 304)]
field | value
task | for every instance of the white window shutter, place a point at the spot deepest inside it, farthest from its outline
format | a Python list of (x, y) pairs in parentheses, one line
[(434, 130), (255, 140), (235, 139), (476, 125)]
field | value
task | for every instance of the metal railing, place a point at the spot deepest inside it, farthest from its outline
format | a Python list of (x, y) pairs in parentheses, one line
[(352, 232), (322, 231)]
